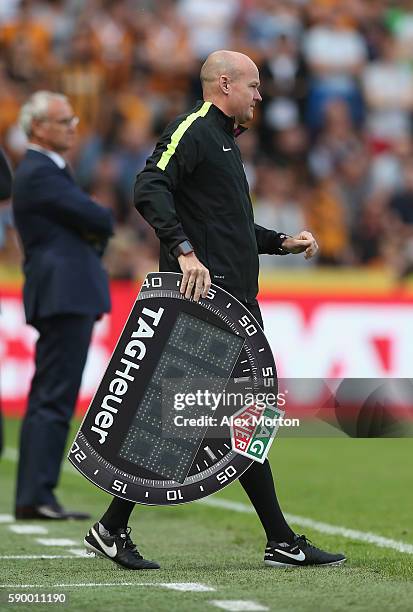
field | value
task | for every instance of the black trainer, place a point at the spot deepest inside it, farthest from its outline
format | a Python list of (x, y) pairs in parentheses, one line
[(300, 553), (117, 547)]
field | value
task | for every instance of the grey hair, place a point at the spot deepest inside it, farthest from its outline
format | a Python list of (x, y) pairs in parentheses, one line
[(37, 107)]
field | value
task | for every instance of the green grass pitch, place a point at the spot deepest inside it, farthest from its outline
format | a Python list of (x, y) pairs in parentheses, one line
[(365, 485)]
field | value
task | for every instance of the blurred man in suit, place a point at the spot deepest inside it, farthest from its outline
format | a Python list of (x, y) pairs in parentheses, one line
[(63, 233), (5, 177), (5, 192)]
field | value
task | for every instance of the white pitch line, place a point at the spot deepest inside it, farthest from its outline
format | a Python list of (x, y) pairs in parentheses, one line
[(175, 586), (7, 518), (39, 557), (186, 586), (20, 586), (352, 534), (237, 605), (56, 542), (11, 454), (226, 504), (87, 585), (79, 552), (28, 529)]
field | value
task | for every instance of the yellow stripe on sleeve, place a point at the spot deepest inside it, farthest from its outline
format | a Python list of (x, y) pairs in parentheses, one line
[(179, 132)]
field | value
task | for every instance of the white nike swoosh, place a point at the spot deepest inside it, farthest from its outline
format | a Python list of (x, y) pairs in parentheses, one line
[(299, 557), (109, 550), (224, 149)]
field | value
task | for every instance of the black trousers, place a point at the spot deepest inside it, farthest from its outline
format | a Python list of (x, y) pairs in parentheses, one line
[(61, 352), (257, 482)]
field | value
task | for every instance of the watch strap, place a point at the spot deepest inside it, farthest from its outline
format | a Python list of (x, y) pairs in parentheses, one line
[(183, 248)]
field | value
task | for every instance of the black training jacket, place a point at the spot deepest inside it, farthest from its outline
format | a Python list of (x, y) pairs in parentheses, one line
[(194, 188)]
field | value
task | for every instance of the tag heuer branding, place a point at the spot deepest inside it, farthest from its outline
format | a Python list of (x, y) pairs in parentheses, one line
[(253, 429)]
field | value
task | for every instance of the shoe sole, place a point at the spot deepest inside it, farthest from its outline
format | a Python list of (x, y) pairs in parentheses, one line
[(91, 549), (278, 564)]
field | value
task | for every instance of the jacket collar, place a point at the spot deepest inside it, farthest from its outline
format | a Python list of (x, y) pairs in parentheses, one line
[(55, 157), (228, 123)]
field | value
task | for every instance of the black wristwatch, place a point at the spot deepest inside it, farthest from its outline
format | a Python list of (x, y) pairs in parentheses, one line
[(183, 248)]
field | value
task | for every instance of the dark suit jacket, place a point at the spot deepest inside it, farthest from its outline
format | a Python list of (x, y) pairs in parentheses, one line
[(56, 221)]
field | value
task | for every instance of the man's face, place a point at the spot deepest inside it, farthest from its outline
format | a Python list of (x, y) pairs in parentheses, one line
[(56, 131), (244, 94)]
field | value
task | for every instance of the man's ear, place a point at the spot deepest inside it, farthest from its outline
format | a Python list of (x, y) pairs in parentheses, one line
[(224, 83)]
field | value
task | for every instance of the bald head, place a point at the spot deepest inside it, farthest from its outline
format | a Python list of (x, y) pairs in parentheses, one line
[(230, 80), (223, 63)]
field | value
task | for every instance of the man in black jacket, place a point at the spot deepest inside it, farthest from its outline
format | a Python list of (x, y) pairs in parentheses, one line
[(63, 233), (194, 193)]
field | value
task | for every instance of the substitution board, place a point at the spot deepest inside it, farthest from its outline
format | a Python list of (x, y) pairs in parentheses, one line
[(129, 443)]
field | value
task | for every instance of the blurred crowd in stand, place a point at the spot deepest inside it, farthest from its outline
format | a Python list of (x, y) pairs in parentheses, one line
[(331, 145)]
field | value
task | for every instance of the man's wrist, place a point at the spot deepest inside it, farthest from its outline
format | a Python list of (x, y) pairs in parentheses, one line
[(282, 238), (183, 248)]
